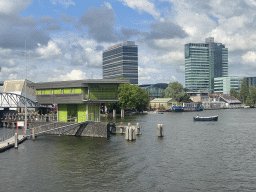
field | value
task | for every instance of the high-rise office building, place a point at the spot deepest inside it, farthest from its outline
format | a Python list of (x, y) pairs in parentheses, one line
[(121, 61), (204, 62)]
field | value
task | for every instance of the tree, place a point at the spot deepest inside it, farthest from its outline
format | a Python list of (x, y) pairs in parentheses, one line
[(185, 98), (175, 91), (235, 94), (131, 96), (244, 92)]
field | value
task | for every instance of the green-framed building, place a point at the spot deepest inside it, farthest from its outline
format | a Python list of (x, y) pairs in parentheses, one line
[(78, 99)]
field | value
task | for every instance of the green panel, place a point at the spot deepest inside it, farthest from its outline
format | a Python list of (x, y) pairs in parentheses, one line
[(93, 112), (72, 111), (62, 112), (78, 90), (56, 91), (81, 112), (103, 91), (47, 91), (39, 92), (67, 91)]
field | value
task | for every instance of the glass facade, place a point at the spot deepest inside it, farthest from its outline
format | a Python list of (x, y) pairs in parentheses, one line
[(251, 81), (222, 85), (121, 61), (154, 90), (204, 62)]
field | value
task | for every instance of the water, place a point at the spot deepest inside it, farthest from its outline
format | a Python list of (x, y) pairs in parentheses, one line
[(192, 156)]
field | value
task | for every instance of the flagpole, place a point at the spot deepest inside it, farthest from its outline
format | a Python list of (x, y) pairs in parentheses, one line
[(26, 89)]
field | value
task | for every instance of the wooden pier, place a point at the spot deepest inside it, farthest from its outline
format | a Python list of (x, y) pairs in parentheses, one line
[(9, 143)]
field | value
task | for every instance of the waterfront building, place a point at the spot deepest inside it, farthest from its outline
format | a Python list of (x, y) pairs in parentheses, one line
[(154, 90), (121, 61), (222, 85), (198, 96), (204, 62), (79, 99), (157, 103)]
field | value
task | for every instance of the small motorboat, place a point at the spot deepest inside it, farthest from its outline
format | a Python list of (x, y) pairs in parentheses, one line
[(211, 118)]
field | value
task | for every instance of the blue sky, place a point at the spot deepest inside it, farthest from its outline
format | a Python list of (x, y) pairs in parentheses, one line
[(65, 38)]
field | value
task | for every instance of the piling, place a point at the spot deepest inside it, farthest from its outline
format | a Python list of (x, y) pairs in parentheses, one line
[(127, 133), (137, 130), (160, 130), (122, 113), (133, 133), (16, 141), (121, 128), (33, 134), (114, 113), (130, 133)]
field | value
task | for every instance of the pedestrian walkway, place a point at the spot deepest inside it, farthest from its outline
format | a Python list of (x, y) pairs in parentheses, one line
[(9, 143)]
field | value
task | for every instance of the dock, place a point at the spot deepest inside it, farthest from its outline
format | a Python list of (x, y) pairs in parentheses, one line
[(9, 143)]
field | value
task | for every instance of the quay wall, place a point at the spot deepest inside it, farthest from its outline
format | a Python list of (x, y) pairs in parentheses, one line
[(95, 129)]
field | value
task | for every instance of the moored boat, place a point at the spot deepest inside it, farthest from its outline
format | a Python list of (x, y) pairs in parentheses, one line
[(210, 118)]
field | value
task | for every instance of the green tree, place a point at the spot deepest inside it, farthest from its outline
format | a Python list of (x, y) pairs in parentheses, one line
[(131, 96), (244, 92), (249, 101), (175, 91), (235, 94), (185, 98), (252, 94)]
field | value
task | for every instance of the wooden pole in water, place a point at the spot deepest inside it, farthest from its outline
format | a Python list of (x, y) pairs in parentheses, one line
[(33, 134), (16, 141), (114, 113), (160, 130)]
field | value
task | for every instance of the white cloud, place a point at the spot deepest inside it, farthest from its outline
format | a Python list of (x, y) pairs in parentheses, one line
[(13, 6), (65, 3), (73, 75), (143, 6), (50, 51), (250, 58)]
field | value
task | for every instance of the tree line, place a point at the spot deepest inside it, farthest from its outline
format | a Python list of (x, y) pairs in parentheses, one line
[(247, 93)]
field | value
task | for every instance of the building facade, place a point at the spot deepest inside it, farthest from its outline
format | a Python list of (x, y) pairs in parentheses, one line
[(251, 81), (204, 62), (154, 90), (121, 61), (80, 99), (222, 85)]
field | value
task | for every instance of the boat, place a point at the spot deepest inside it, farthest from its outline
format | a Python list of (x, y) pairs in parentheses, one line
[(177, 109), (210, 118), (187, 109)]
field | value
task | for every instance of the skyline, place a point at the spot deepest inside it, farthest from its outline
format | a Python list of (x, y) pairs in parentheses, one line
[(65, 38)]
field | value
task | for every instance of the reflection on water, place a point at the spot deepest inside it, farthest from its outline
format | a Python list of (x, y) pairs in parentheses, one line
[(206, 156)]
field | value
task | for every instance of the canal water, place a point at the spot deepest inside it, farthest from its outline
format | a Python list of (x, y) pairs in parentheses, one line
[(192, 156)]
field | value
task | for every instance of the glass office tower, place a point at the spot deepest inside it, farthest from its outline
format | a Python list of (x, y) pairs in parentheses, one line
[(204, 62), (121, 61)]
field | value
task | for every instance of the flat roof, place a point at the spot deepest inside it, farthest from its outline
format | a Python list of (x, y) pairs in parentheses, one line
[(75, 83)]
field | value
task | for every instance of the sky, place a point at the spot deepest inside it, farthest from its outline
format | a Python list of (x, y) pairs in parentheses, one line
[(59, 40)]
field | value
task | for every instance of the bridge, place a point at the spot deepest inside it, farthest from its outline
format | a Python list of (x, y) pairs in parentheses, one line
[(13, 100)]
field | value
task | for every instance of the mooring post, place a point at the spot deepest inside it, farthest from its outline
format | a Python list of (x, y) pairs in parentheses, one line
[(130, 133), (160, 130), (127, 133), (114, 113), (122, 113), (16, 141), (133, 133), (137, 129), (33, 134), (121, 128)]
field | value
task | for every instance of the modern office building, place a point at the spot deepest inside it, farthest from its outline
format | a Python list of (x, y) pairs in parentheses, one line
[(154, 90), (222, 85), (121, 61), (204, 62), (251, 81)]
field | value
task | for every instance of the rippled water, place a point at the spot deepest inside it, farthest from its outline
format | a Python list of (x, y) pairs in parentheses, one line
[(192, 156)]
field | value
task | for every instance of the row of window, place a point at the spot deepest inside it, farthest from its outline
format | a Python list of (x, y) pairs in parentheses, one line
[(59, 91)]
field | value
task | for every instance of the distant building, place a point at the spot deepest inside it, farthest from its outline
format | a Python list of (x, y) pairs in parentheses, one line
[(204, 62), (251, 81), (154, 90), (121, 61), (161, 102), (198, 96), (222, 85)]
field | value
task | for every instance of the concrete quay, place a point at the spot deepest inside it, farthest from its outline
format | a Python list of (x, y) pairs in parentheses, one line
[(9, 143)]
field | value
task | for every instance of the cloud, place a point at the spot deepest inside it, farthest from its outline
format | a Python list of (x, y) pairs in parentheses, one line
[(128, 33), (73, 75), (142, 6), (66, 19), (50, 51), (13, 6), (52, 28), (100, 24), (165, 29), (48, 20), (65, 3), (250, 58)]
